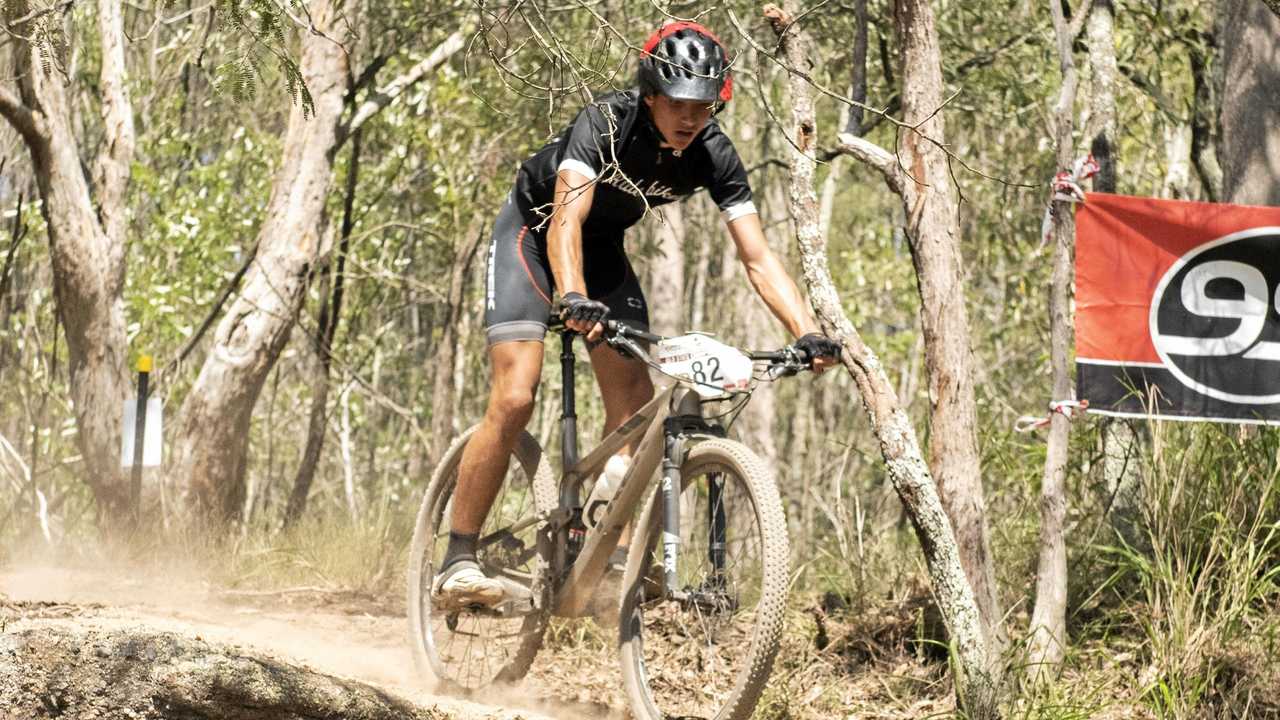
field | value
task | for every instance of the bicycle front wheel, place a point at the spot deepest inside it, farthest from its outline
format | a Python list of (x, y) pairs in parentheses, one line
[(704, 649), (467, 649)]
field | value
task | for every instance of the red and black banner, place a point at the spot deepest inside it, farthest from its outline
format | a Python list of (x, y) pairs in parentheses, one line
[(1178, 309)]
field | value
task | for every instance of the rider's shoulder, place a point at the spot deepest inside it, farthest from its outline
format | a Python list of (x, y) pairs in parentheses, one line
[(617, 103), (717, 141)]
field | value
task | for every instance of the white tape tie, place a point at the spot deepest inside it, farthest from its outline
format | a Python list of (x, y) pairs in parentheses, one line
[(1066, 188), (1069, 408)]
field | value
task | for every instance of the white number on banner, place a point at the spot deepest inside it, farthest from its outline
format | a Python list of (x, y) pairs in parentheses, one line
[(713, 367), (1251, 311)]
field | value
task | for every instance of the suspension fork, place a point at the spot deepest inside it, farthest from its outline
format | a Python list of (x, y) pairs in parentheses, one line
[(672, 459), (687, 417), (718, 531)]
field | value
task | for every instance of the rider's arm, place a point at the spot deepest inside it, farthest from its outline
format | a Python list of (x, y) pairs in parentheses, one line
[(573, 195), (769, 278)]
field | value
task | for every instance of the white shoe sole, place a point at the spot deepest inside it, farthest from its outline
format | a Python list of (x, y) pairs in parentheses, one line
[(485, 594)]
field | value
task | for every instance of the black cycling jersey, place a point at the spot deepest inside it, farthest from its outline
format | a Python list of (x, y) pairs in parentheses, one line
[(613, 141)]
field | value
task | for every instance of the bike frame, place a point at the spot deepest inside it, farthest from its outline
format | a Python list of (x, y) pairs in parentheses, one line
[(663, 426)]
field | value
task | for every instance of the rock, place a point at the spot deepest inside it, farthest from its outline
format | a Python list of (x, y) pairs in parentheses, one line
[(148, 675)]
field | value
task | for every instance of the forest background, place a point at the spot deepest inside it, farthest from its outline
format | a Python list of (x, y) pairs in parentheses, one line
[(286, 204)]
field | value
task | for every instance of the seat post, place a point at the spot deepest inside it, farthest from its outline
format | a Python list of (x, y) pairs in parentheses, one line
[(569, 413)]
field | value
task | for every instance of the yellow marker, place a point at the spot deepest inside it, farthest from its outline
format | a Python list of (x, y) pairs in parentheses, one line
[(144, 364)]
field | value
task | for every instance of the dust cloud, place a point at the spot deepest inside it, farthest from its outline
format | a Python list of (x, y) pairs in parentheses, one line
[(369, 646)]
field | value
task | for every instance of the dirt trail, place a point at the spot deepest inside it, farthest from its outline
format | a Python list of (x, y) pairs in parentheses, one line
[(366, 644)]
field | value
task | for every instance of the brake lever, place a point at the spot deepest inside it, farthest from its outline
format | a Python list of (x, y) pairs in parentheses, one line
[(625, 346), (794, 363)]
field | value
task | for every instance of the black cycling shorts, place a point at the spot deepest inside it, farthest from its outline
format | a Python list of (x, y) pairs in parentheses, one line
[(518, 283)]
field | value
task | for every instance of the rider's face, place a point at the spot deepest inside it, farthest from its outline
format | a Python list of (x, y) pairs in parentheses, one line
[(679, 121)]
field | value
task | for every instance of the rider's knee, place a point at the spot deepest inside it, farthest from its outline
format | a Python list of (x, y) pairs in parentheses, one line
[(512, 406)]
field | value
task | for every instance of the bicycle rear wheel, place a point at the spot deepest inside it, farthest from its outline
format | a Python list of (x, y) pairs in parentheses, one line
[(468, 649), (707, 652)]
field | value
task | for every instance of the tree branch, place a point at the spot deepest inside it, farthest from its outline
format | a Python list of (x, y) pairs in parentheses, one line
[(227, 289), (1077, 23), (872, 154), (19, 116), (17, 233), (386, 95)]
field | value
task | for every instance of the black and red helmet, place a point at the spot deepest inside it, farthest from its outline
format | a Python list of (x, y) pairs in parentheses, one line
[(685, 61)]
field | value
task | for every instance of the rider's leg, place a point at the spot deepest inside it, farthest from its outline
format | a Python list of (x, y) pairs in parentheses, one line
[(516, 370), (625, 388), (624, 385), (517, 303)]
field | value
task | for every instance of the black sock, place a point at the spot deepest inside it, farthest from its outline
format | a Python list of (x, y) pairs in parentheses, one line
[(461, 547)]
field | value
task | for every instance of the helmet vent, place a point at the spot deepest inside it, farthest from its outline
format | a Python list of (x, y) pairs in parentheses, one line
[(670, 46), (694, 53)]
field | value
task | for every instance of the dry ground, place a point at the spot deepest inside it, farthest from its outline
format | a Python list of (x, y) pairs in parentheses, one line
[(353, 637), (835, 663)]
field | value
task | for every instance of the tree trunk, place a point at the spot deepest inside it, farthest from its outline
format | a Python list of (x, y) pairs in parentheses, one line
[(334, 275), (1204, 121), (86, 242), (1249, 141), (1119, 440), (1048, 631), (929, 199), (51, 671), (213, 437), (1102, 62), (975, 684)]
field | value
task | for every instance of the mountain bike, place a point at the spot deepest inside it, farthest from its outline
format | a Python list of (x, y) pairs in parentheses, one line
[(706, 572)]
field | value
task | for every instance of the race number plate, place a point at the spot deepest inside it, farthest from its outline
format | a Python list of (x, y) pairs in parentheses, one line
[(711, 367)]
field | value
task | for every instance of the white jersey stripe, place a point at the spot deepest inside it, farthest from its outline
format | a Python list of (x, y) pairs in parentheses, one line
[(733, 212), (577, 166)]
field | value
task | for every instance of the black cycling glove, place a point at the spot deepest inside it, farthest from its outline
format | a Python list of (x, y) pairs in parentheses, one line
[(816, 345), (574, 306)]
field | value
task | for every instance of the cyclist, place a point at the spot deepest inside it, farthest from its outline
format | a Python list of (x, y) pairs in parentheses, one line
[(561, 229)]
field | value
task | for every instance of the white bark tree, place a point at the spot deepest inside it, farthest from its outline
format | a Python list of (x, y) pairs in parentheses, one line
[(212, 443), (86, 225), (976, 683)]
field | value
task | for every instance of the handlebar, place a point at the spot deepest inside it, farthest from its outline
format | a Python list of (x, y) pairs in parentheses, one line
[(621, 336)]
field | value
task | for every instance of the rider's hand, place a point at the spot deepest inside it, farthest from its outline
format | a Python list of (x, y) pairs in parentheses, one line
[(823, 352), (583, 315)]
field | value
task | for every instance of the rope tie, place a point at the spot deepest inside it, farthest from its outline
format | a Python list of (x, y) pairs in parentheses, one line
[(1066, 188), (1068, 408)]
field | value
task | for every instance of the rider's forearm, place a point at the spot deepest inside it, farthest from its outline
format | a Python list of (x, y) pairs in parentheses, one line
[(781, 295), (564, 251)]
